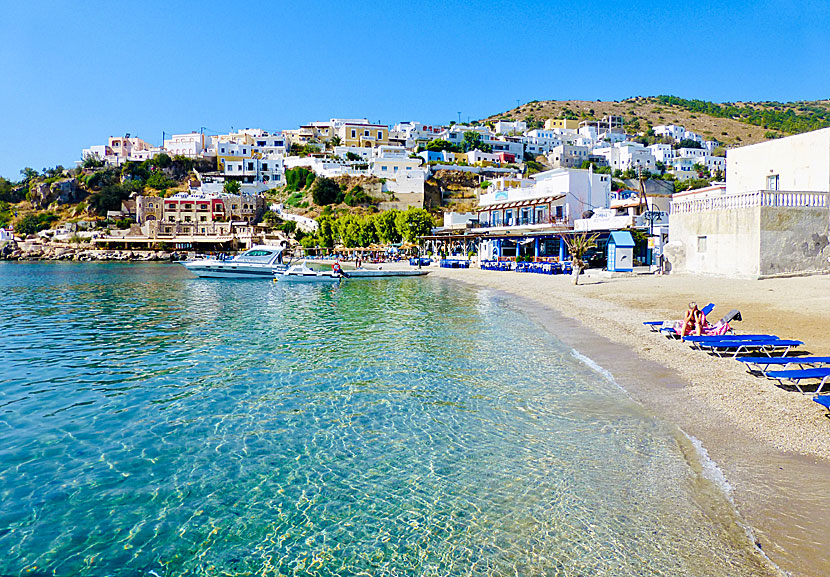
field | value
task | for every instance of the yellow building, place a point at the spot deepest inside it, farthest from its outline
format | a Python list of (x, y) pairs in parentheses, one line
[(566, 123), (355, 134)]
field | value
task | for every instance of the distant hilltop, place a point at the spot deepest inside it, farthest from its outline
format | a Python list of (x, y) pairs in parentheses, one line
[(732, 123)]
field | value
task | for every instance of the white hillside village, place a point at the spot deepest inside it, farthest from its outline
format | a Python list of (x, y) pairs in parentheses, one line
[(764, 213)]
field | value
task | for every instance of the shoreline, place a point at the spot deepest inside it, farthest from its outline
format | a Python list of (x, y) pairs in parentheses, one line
[(772, 445)]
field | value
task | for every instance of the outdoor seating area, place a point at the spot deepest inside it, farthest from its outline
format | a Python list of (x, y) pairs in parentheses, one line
[(454, 263), (765, 355), (420, 261), (535, 267)]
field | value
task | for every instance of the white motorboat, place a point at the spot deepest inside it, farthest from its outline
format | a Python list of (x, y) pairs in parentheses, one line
[(301, 273), (260, 261)]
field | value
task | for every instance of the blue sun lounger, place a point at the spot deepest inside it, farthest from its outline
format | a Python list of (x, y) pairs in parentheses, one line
[(736, 347), (656, 326), (823, 400), (701, 341), (796, 376), (763, 363)]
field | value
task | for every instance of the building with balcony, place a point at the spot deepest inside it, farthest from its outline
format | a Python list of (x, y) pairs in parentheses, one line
[(533, 220), (771, 218)]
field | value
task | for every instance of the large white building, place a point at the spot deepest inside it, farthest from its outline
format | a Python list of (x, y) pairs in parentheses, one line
[(771, 218), (627, 155)]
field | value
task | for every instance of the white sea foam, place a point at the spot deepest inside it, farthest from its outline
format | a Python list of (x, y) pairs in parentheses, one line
[(710, 469), (714, 474), (593, 365)]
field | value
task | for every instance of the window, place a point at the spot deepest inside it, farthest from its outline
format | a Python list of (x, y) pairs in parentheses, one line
[(168, 229), (250, 166), (171, 218), (380, 135), (264, 166), (701, 244), (203, 219), (772, 182), (383, 168), (187, 206), (354, 133), (187, 219)]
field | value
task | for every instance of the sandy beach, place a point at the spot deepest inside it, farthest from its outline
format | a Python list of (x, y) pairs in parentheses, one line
[(772, 444)]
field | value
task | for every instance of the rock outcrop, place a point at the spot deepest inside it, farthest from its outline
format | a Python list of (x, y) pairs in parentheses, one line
[(66, 191)]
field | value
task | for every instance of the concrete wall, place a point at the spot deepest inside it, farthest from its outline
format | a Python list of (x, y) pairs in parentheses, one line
[(753, 242), (802, 162), (794, 240), (731, 246)]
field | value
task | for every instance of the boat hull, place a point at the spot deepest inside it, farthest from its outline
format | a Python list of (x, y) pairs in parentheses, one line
[(230, 271), (307, 278)]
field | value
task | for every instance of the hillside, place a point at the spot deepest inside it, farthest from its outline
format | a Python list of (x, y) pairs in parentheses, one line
[(733, 124)]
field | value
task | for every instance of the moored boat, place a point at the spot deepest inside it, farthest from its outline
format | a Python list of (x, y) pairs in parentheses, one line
[(300, 273), (260, 261)]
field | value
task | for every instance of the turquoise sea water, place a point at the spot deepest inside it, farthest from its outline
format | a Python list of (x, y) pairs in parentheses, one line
[(152, 423)]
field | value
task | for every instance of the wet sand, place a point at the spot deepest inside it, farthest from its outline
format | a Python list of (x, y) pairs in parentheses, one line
[(772, 444)]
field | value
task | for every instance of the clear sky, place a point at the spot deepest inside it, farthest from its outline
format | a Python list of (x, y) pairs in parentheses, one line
[(74, 73)]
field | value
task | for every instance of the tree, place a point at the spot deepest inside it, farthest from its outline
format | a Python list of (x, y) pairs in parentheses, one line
[(472, 141), (297, 178), (688, 143), (232, 187), (352, 156), (577, 246), (271, 218), (324, 191), (335, 141), (414, 222), (92, 160), (326, 231), (387, 229), (437, 145), (28, 174), (367, 233)]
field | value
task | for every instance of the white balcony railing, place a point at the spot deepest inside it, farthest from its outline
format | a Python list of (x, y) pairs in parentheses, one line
[(773, 198)]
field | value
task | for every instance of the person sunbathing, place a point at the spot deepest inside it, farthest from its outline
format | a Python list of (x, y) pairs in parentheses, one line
[(694, 322)]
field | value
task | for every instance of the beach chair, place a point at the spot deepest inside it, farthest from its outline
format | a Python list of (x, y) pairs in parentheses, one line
[(761, 364), (798, 375), (736, 347), (699, 341), (655, 326), (823, 400)]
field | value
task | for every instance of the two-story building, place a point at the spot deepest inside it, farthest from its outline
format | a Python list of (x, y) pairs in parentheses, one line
[(533, 220), (771, 218)]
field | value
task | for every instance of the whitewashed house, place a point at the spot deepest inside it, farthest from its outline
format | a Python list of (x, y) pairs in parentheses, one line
[(771, 218)]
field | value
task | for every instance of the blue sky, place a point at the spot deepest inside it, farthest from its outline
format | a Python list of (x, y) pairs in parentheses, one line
[(75, 73)]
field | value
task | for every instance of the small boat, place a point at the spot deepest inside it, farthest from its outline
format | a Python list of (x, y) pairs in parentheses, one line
[(260, 261), (301, 273)]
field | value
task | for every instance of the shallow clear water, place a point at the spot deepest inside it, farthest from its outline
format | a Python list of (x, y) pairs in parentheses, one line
[(152, 423)]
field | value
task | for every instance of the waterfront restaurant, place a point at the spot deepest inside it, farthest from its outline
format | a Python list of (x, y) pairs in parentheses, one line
[(532, 221)]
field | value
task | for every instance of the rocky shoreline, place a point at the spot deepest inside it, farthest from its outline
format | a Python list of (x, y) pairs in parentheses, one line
[(35, 251)]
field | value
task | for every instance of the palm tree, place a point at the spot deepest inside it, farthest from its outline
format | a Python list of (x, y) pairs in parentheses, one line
[(578, 246)]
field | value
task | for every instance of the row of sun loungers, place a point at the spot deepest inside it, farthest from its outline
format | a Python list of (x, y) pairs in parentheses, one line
[(767, 355)]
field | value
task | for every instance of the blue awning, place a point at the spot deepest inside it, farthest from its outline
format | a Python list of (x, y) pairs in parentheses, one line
[(621, 238)]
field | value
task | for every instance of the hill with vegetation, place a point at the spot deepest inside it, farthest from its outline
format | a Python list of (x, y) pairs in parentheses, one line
[(731, 123)]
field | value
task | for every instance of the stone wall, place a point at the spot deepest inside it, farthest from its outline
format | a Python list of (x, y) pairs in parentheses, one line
[(794, 240)]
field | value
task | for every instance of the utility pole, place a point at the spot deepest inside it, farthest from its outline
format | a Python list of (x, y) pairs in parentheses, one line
[(518, 103), (459, 117)]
